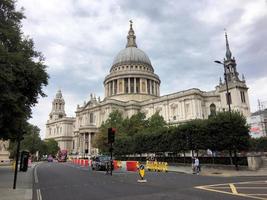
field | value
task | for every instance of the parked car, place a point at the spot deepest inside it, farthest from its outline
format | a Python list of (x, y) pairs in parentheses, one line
[(100, 162), (50, 158)]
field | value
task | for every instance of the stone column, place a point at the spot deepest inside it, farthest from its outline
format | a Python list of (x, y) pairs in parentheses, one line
[(146, 86), (80, 144), (113, 87), (155, 87), (109, 89), (83, 151), (193, 109), (183, 110), (89, 144), (106, 90), (118, 83), (123, 88), (134, 85), (150, 84), (129, 86)]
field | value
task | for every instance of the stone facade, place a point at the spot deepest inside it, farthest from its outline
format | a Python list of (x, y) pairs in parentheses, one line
[(132, 86), (4, 153), (60, 127)]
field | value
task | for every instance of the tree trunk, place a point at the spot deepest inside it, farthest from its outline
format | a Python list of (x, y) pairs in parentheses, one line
[(184, 156), (231, 158), (236, 161)]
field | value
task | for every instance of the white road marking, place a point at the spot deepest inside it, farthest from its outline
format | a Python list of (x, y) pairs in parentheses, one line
[(233, 189), (35, 174), (39, 195)]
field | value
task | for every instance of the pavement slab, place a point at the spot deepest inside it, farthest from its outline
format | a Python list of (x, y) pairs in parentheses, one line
[(24, 184)]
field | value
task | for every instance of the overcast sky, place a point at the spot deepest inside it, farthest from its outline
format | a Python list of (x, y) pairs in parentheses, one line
[(80, 38)]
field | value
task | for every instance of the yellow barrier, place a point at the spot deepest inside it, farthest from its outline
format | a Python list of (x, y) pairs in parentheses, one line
[(156, 166), (14, 165)]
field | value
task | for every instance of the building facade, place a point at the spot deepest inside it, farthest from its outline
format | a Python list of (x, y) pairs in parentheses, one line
[(258, 123), (132, 86), (59, 126)]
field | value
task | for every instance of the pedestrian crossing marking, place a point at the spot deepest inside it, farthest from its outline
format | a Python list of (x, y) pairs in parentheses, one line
[(234, 189)]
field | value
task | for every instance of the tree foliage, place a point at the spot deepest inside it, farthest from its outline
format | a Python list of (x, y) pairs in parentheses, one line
[(51, 147), (258, 144), (31, 141), (22, 72), (136, 135)]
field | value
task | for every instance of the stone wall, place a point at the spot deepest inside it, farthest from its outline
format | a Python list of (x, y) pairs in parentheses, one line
[(254, 162)]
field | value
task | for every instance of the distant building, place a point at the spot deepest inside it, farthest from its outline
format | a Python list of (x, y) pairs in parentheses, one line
[(258, 123), (58, 126), (132, 86)]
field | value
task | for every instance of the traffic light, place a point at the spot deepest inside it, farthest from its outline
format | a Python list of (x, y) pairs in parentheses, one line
[(111, 135)]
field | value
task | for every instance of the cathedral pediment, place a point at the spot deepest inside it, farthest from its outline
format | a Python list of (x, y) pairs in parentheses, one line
[(90, 104)]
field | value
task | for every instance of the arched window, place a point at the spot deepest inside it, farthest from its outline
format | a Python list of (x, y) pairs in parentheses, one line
[(212, 109)]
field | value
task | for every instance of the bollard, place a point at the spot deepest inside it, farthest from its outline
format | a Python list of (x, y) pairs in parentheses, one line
[(141, 171), (14, 165), (86, 163)]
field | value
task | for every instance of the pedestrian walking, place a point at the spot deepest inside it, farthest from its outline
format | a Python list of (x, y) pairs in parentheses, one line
[(197, 166), (193, 164)]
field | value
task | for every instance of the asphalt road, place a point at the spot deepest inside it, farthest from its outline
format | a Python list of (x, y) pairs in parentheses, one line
[(65, 181)]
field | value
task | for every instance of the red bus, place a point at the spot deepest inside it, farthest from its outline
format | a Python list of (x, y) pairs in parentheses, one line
[(62, 155)]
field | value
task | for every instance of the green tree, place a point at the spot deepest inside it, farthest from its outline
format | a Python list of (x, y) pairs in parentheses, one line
[(258, 144), (156, 124), (31, 141), (22, 73), (135, 124), (232, 130), (52, 147), (114, 120)]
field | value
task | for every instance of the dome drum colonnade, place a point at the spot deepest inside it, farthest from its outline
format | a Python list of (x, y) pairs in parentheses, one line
[(132, 73)]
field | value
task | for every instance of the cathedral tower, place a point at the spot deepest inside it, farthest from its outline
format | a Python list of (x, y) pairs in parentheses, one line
[(58, 107), (238, 90)]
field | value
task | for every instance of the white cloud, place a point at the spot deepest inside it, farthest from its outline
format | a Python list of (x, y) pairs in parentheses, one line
[(257, 91), (80, 38)]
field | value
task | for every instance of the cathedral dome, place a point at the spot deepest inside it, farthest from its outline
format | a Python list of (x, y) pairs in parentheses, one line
[(131, 75), (131, 55)]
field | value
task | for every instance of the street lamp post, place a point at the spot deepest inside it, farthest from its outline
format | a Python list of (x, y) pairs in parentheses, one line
[(229, 106), (226, 83)]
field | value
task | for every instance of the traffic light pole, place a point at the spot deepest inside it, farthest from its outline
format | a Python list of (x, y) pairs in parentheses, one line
[(111, 139), (111, 161), (16, 164)]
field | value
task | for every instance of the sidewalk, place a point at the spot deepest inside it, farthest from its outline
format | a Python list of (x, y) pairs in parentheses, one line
[(24, 185), (209, 171)]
